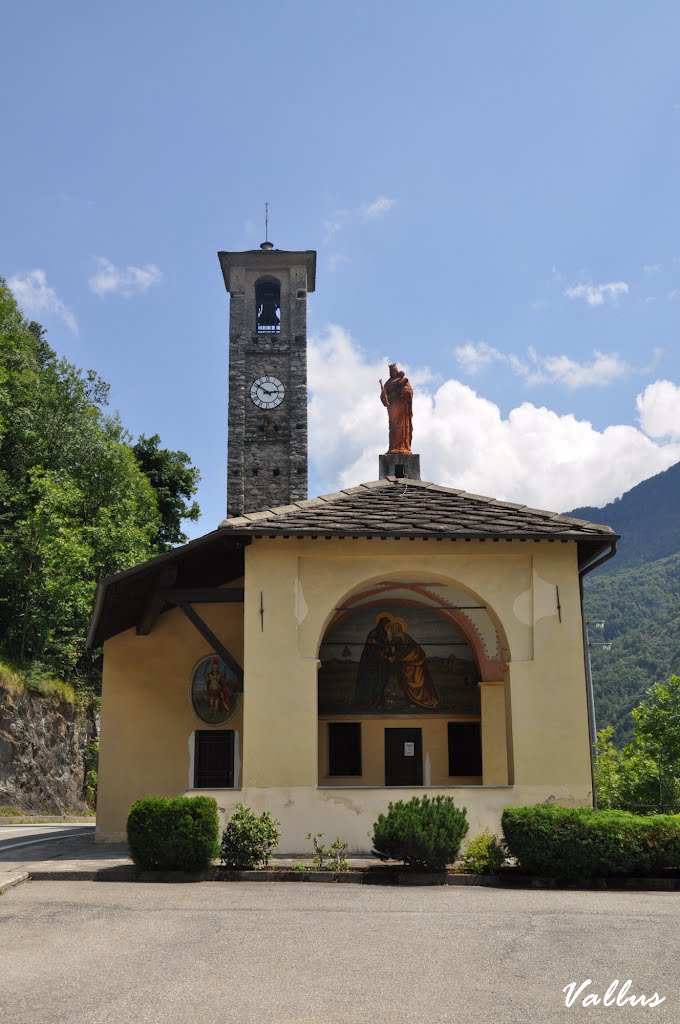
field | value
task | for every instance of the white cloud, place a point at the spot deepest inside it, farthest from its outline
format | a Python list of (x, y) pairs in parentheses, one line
[(602, 369), (533, 455), (341, 219), (659, 409), (377, 208), (596, 294), (475, 355), (537, 369), (35, 297), (126, 281), (651, 268)]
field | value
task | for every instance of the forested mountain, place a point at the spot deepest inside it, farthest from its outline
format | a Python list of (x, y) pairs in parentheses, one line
[(647, 517), (637, 594), (641, 610)]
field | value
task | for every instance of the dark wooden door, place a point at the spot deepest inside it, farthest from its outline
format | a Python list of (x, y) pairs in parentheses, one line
[(403, 757)]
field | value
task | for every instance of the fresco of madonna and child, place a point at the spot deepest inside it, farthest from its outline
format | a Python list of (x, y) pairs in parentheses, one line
[(396, 659)]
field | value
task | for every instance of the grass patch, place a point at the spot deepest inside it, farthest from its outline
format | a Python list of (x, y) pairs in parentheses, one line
[(10, 678), (9, 811), (35, 678)]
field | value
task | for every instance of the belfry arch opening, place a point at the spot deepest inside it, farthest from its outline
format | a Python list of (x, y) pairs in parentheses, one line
[(268, 305), (402, 671)]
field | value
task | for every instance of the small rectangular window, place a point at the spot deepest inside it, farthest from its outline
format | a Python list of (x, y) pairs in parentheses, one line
[(214, 759), (465, 748), (344, 748)]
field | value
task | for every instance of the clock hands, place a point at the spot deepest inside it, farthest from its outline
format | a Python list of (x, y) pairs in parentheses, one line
[(267, 392)]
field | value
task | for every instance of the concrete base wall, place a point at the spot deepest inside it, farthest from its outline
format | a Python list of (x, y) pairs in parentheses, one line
[(351, 812)]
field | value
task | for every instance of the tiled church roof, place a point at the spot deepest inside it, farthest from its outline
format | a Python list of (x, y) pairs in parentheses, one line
[(386, 508), (412, 508)]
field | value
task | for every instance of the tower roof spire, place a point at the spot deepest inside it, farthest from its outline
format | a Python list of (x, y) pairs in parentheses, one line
[(266, 245)]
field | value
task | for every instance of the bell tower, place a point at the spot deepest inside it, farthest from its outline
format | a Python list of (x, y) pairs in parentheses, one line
[(267, 432)]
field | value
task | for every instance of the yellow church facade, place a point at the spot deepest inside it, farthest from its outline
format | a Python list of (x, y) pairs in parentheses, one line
[(321, 659)]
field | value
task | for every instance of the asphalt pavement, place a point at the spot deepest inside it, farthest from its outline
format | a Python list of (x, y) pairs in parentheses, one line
[(53, 847), (258, 953), (18, 836)]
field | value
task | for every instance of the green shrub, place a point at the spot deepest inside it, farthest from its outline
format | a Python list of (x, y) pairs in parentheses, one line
[(424, 833), (580, 842), (249, 839), (173, 834), (483, 854), (329, 858)]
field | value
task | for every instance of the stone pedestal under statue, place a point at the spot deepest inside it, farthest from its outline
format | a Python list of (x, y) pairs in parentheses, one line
[(399, 465)]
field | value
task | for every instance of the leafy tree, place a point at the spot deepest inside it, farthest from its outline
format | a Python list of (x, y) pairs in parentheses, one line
[(175, 482), (624, 777), (44, 573), (75, 502), (645, 772), (657, 725)]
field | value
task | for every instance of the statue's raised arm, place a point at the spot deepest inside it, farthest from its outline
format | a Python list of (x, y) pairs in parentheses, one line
[(396, 394)]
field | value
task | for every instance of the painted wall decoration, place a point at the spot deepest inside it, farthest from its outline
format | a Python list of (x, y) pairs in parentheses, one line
[(214, 691), (396, 657)]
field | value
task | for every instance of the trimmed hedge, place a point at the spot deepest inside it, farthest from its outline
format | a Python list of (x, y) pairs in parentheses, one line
[(424, 833), (581, 842), (173, 833)]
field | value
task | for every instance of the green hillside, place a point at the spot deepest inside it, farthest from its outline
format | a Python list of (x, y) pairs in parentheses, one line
[(641, 609), (637, 593), (647, 517)]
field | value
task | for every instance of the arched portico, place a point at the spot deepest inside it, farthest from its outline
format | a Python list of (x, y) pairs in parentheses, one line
[(411, 687)]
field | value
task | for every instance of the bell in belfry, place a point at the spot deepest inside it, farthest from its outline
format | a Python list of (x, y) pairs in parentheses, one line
[(268, 303)]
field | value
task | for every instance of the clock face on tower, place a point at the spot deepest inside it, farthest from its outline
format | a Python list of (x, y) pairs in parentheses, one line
[(267, 392)]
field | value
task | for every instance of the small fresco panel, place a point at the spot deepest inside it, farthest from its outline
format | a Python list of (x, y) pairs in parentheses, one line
[(214, 691)]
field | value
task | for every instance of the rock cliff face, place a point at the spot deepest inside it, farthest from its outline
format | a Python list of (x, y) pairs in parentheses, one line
[(41, 753)]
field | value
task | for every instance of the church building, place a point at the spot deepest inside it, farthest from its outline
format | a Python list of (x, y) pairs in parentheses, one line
[(319, 658)]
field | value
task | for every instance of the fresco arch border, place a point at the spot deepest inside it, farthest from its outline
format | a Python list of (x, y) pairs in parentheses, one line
[(492, 667)]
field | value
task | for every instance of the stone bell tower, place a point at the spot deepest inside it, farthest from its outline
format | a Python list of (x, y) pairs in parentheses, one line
[(267, 433)]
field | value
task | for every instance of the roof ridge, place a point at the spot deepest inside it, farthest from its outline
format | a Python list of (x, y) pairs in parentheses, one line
[(375, 516)]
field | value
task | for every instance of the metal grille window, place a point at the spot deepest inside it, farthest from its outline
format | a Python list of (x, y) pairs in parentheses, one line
[(214, 759)]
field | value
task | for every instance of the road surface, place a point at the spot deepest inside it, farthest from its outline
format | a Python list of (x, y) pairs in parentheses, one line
[(16, 837)]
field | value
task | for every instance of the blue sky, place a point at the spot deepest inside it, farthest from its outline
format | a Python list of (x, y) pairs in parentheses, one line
[(491, 188)]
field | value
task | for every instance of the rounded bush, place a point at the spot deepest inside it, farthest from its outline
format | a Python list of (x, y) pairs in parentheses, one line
[(581, 842), (173, 833), (249, 839), (483, 854), (425, 833)]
